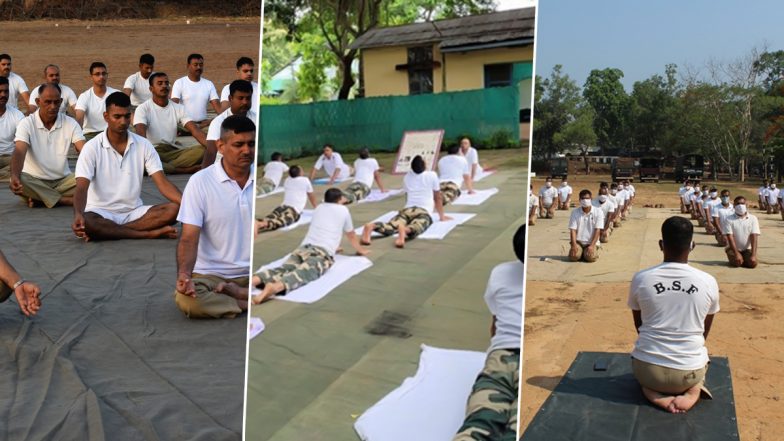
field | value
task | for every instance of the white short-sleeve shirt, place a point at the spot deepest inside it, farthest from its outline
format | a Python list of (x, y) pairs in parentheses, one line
[(721, 211), (66, 93), (533, 200), (741, 229), (548, 195), (773, 195), (161, 122), (504, 298), (274, 170), (213, 132), (673, 300), (8, 123), (295, 192), (215, 203), (330, 221), (419, 189), (116, 180), (16, 85), (194, 95), (254, 104), (607, 207), (330, 164), (586, 223), (365, 170), (93, 107), (686, 196), (452, 168), (564, 192), (47, 157), (711, 205), (140, 88)]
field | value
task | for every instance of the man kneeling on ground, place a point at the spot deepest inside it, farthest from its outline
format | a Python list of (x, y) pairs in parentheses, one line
[(673, 306), (742, 231), (585, 226)]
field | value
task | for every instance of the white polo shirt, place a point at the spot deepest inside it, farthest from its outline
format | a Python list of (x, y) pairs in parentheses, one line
[(330, 164), (773, 195), (116, 180), (274, 170), (194, 96), (504, 298), (140, 88), (741, 229), (213, 133), (365, 171), (548, 195), (711, 205), (215, 203), (564, 191), (16, 85), (472, 156), (93, 107), (254, 103), (686, 196), (586, 223), (419, 189), (721, 211), (47, 157), (161, 122), (8, 123), (607, 207), (66, 93), (452, 168), (330, 221), (673, 300), (296, 192)]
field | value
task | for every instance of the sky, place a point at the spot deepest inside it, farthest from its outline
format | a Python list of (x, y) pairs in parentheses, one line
[(641, 37)]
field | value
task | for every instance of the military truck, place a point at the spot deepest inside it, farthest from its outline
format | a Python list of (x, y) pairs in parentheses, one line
[(691, 167), (622, 169), (650, 169), (559, 167)]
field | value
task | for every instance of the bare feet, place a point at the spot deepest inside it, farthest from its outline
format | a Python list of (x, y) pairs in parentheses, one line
[(366, 232), (232, 289), (660, 400), (167, 232), (400, 242), (269, 290), (682, 403)]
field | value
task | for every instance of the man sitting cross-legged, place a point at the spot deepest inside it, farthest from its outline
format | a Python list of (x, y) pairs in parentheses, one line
[(673, 306), (316, 254), (213, 256), (109, 174), (297, 192), (423, 195)]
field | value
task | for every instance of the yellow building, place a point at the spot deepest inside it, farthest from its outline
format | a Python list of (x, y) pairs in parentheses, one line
[(475, 52)]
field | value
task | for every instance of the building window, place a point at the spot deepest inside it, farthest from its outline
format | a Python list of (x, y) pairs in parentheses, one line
[(498, 75), (420, 70)]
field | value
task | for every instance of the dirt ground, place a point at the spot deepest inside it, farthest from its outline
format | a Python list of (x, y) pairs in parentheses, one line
[(73, 45), (582, 307)]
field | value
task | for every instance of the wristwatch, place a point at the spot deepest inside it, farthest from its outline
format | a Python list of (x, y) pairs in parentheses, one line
[(19, 283)]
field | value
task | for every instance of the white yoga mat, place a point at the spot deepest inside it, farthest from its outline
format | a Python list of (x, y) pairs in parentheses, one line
[(255, 327), (483, 174), (345, 267), (275, 191), (437, 231), (430, 406), (304, 218), (376, 195), (478, 198)]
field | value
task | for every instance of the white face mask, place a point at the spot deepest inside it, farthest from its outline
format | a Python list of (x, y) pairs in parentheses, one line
[(548, 184), (585, 203), (773, 186), (740, 209), (713, 194), (563, 184), (602, 198), (613, 191)]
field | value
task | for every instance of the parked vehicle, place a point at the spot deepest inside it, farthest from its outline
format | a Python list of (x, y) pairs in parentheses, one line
[(623, 169), (650, 169), (690, 167), (559, 167)]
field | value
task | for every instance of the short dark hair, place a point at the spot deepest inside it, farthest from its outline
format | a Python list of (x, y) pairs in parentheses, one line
[(241, 86), (295, 171), (518, 243), (95, 65), (118, 99), (603, 184), (584, 192), (549, 178), (333, 195), (418, 164), (3, 81), (5, 57), (738, 198), (453, 149), (276, 156), (194, 57), (44, 86), (364, 153), (156, 75), (712, 189), (243, 61), (237, 124), (147, 59), (614, 185), (328, 145), (677, 233), (726, 191)]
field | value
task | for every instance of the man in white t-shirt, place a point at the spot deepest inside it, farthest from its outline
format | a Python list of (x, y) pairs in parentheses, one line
[(16, 84), (673, 305), (708, 208), (684, 194), (607, 206), (297, 191), (719, 214), (213, 255), (585, 227), (245, 70), (273, 174), (239, 98), (423, 196), (773, 199), (109, 175), (548, 195), (195, 92), (454, 171), (52, 75), (742, 231), (366, 170), (763, 201), (533, 205), (316, 254), (27, 293), (90, 104), (491, 413), (564, 195), (9, 119), (472, 156), (333, 165), (39, 165), (618, 197), (157, 120), (137, 86)]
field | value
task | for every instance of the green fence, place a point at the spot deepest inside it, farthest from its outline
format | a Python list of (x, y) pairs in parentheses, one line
[(301, 129)]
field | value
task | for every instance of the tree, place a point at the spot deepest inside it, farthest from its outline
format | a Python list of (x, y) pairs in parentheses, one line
[(556, 103), (651, 112), (578, 133), (605, 93)]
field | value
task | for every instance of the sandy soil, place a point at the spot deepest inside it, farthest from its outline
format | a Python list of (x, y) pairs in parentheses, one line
[(73, 45), (582, 307)]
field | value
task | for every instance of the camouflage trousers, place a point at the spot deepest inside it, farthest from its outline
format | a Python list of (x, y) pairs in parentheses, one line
[(305, 264), (491, 413), (416, 219), (356, 192), (265, 186), (280, 217), (449, 192)]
